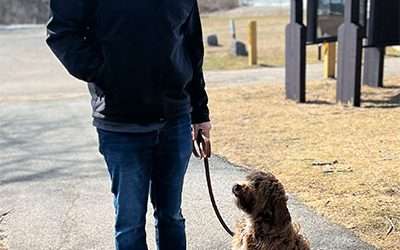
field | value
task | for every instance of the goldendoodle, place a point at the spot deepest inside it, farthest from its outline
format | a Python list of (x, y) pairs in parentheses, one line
[(266, 224)]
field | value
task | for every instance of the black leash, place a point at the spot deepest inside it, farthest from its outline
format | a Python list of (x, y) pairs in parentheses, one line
[(214, 204), (200, 146)]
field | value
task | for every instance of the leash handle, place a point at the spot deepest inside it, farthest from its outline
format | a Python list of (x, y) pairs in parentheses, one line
[(201, 146)]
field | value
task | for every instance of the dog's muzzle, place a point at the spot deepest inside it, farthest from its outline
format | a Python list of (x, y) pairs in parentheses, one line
[(236, 189)]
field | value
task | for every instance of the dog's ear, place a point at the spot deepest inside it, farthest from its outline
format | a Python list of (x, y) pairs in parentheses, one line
[(265, 200), (281, 215)]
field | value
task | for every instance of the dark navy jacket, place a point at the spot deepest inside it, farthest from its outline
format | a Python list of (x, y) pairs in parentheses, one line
[(145, 56)]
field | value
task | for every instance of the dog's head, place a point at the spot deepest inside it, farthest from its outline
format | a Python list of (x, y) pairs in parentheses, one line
[(262, 196)]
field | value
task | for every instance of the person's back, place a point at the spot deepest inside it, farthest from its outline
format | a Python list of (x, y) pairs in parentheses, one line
[(145, 56), (143, 62)]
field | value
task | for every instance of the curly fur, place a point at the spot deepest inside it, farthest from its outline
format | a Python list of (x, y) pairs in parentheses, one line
[(267, 224)]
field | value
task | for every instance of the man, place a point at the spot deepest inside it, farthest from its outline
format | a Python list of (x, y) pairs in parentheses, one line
[(143, 64)]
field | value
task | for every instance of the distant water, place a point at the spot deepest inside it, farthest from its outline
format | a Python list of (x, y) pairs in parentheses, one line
[(272, 3)]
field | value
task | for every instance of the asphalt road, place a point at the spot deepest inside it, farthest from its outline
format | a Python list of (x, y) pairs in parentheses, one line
[(55, 182)]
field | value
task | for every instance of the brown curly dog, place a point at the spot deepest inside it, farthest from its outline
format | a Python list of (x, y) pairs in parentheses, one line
[(267, 224)]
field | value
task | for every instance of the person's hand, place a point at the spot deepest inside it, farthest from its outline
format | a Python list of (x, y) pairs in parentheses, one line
[(205, 128), (202, 146)]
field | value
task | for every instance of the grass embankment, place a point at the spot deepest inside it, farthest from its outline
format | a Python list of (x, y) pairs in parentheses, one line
[(271, 39), (344, 162)]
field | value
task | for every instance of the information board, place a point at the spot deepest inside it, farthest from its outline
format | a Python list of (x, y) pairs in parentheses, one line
[(324, 18), (384, 23)]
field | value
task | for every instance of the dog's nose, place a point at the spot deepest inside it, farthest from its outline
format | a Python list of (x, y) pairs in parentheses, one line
[(236, 188)]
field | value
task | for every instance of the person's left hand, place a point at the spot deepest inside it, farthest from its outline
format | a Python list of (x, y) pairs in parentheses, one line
[(205, 127)]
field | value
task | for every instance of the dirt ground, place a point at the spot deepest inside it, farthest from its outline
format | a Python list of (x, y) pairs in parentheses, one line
[(341, 161)]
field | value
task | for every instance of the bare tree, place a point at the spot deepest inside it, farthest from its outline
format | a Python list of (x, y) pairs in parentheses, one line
[(214, 5), (24, 11)]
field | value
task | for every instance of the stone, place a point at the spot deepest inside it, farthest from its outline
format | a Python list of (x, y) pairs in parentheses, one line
[(212, 40), (238, 48)]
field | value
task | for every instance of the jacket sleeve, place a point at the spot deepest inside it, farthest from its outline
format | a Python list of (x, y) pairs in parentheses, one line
[(69, 36), (196, 87)]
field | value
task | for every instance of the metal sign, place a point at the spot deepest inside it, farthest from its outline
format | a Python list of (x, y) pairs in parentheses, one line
[(384, 23)]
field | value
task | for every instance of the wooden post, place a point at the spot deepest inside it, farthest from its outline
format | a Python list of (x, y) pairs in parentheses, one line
[(329, 55), (252, 43), (295, 54), (319, 51), (374, 60), (348, 88)]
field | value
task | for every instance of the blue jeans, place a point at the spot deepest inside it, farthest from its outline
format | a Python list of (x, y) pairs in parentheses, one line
[(143, 163)]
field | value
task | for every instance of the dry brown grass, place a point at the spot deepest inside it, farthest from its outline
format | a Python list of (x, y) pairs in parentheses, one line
[(392, 51), (271, 40), (359, 187)]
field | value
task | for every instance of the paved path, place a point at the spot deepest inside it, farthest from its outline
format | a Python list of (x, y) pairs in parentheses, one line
[(277, 74), (55, 182)]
